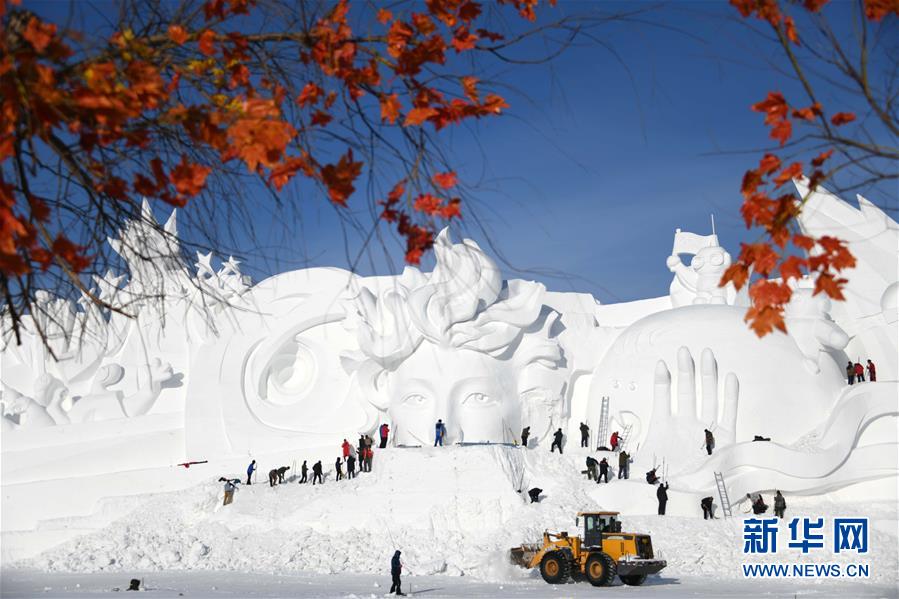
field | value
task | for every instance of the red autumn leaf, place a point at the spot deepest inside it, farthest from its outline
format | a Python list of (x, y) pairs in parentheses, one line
[(774, 105), (417, 116), (768, 164), (452, 209), (782, 131), (285, 171), (339, 178), (178, 34), (490, 35), (320, 118), (445, 180), (821, 158), (814, 5), (788, 174), (803, 241), (427, 203), (207, 42), (423, 24), (790, 30), (384, 15), (463, 39), (809, 113), (189, 179), (39, 34), (309, 95), (72, 254), (390, 108), (764, 320), (878, 9), (470, 87), (828, 285), (791, 268), (737, 273), (841, 118)]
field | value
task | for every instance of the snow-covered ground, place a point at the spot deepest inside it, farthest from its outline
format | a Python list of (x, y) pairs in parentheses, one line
[(203, 585), (453, 511)]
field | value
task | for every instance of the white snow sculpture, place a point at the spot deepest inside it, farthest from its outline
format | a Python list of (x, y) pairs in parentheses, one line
[(456, 345), (809, 324), (698, 283)]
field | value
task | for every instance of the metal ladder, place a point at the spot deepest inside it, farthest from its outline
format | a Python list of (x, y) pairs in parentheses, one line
[(602, 432), (625, 437), (722, 495)]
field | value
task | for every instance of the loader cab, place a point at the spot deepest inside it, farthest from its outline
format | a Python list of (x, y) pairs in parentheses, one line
[(597, 523)]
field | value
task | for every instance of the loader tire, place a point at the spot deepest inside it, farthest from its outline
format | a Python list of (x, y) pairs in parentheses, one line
[(600, 569), (555, 568), (633, 580)]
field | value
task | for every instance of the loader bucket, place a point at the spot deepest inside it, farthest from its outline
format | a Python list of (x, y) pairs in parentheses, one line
[(523, 555)]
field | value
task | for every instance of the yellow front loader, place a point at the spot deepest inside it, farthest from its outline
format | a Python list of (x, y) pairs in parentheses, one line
[(599, 556)]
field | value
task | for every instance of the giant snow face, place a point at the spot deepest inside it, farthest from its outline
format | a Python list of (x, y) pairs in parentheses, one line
[(473, 393)]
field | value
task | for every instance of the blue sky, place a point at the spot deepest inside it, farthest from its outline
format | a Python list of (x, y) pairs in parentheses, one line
[(582, 183)]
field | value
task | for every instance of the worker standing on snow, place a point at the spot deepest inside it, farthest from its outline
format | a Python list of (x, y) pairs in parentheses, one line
[(369, 454), (850, 372), (439, 433), (613, 441), (384, 431), (662, 494), (872, 372), (338, 466), (624, 465), (345, 447), (709, 441), (780, 505), (351, 467), (651, 477), (303, 470), (585, 434), (557, 441), (250, 470), (525, 433), (230, 487), (706, 505), (396, 569), (603, 470), (591, 468), (317, 473)]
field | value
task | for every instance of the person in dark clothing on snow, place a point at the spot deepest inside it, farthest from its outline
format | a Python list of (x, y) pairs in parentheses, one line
[(651, 477), (351, 467), (396, 569), (317, 473), (557, 441), (850, 372), (439, 433), (872, 371), (585, 434), (603, 470), (338, 466), (758, 504), (303, 470), (706, 505), (709, 441), (250, 470), (780, 505), (525, 433), (624, 465), (384, 432), (662, 494), (534, 494), (591, 468)]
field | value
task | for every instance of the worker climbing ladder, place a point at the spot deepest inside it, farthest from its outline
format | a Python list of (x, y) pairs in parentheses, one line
[(722, 494), (602, 433)]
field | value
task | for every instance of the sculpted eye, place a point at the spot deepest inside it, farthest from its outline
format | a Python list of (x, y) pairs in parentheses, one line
[(414, 400), (697, 262), (478, 399), (717, 259)]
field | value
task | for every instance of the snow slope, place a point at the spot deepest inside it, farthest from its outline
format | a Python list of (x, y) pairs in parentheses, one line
[(452, 510)]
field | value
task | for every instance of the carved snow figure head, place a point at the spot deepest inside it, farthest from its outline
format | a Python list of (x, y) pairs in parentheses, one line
[(711, 261), (456, 344)]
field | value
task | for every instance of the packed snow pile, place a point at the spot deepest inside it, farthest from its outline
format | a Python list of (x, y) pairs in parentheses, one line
[(452, 510)]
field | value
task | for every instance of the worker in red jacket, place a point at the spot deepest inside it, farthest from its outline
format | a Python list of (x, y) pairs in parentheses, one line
[(346, 449), (859, 373), (385, 430), (614, 441)]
